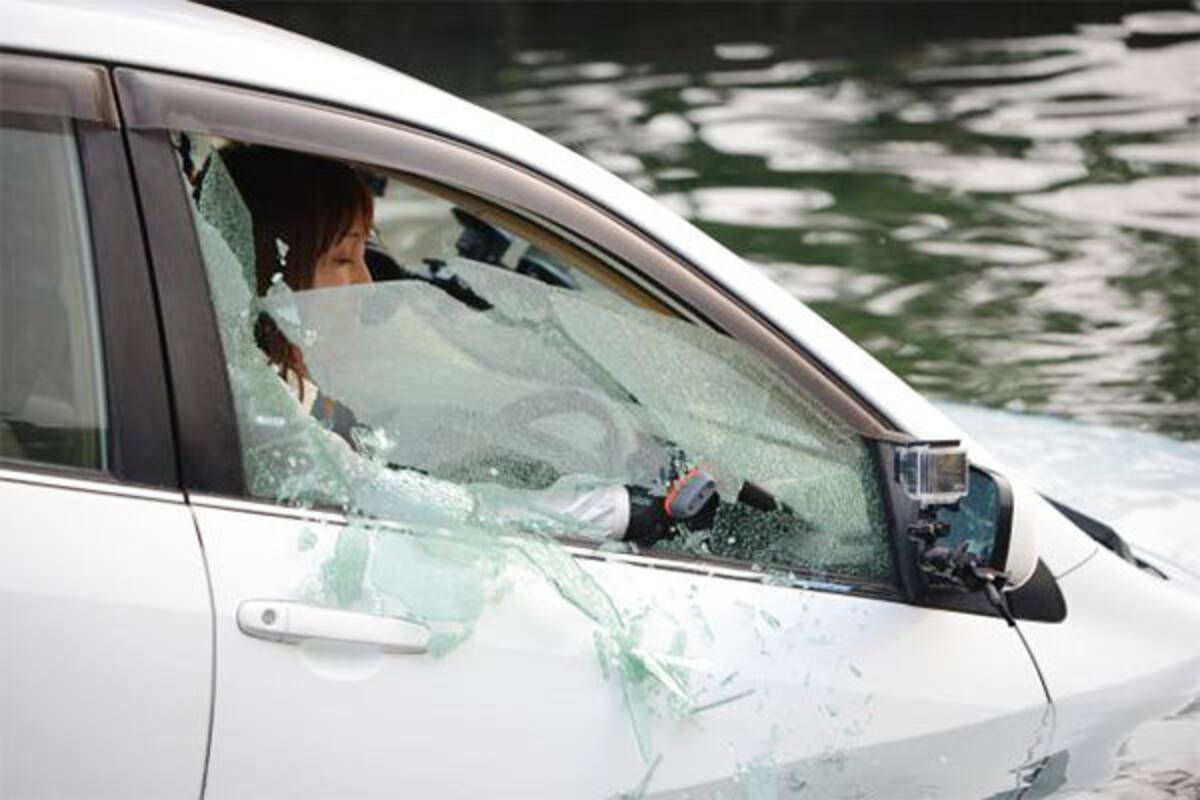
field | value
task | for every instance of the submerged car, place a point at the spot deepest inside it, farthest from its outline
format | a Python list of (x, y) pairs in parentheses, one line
[(204, 590)]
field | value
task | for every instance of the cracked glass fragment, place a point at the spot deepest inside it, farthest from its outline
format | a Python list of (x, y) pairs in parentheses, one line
[(281, 250), (342, 574), (546, 387), (733, 698)]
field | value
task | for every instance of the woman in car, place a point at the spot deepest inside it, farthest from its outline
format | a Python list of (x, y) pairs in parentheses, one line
[(312, 218)]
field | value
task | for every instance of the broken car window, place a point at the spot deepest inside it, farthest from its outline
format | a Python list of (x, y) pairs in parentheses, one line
[(479, 363)]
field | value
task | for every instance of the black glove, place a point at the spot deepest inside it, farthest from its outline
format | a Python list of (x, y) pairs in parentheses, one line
[(690, 499)]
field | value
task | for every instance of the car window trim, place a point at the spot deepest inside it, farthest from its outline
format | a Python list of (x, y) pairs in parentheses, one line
[(209, 447), (798, 577), (139, 439), (77, 480), (141, 430)]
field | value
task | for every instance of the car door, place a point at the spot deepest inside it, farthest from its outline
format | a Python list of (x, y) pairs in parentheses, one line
[(403, 609), (105, 616)]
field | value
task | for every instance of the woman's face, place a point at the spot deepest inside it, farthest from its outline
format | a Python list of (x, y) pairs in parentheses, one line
[(344, 263)]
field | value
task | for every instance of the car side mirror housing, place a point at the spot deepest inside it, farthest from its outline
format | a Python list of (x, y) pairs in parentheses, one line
[(953, 522)]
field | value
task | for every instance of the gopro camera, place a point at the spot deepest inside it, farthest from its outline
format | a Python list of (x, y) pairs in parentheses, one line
[(933, 473)]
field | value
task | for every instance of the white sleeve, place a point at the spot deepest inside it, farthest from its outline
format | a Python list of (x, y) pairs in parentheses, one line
[(593, 512)]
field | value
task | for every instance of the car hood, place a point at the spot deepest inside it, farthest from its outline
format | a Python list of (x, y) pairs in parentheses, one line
[(1146, 486)]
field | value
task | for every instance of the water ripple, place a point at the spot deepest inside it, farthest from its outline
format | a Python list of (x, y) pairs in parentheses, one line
[(1008, 221)]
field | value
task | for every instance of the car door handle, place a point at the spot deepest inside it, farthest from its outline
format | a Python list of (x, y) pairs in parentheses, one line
[(284, 621)]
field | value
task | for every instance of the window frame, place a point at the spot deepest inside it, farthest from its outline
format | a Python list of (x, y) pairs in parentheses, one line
[(153, 104), (140, 439)]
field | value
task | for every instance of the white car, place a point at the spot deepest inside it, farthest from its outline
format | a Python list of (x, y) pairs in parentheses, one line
[(205, 592)]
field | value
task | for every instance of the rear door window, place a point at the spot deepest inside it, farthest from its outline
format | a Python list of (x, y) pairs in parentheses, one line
[(52, 401)]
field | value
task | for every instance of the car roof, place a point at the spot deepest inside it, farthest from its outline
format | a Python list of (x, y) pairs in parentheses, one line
[(204, 42)]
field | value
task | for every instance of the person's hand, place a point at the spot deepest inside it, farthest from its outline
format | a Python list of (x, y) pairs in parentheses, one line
[(690, 499)]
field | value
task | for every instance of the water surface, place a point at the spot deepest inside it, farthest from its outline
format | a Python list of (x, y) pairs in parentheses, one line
[(1011, 222)]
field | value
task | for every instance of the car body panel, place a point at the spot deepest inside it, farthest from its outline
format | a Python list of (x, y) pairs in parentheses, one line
[(105, 616), (1128, 657), (1144, 485), (1060, 544), (552, 694)]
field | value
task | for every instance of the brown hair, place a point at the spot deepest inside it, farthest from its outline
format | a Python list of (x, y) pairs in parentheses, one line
[(301, 205)]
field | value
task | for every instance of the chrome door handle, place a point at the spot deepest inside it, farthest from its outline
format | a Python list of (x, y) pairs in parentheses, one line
[(285, 621)]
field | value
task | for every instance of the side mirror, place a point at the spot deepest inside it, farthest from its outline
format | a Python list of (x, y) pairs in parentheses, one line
[(981, 523), (953, 522)]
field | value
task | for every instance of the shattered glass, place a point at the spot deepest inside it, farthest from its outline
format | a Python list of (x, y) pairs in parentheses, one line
[(284, 456), (551, 391), (548, 394), (484, 435)]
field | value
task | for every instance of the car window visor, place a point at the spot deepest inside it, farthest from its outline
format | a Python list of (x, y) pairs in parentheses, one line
[(31, 85)]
